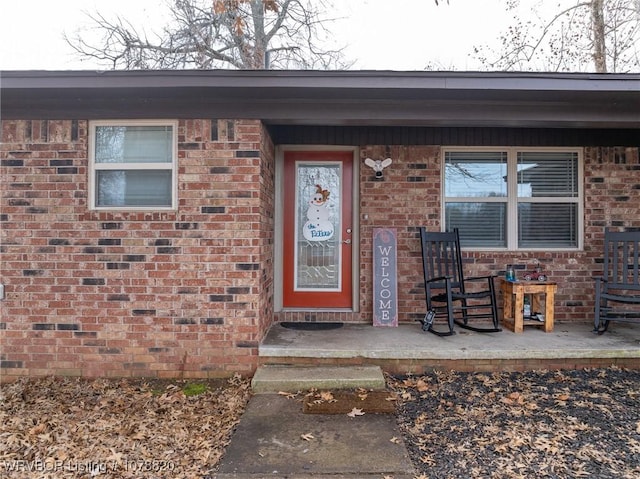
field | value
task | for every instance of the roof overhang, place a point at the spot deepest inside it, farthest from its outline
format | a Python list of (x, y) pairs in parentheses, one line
[(380, 98)]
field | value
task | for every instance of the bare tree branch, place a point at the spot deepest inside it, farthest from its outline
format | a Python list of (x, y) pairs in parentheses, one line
[(594, 35), (203, 34)]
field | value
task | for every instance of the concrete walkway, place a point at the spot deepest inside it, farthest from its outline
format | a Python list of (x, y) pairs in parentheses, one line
[(276, 440)]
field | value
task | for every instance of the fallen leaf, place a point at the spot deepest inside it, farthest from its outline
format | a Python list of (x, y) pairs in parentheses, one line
[(355, 412), (409, 382), (307, 437), (407, 396), (395, 440), (286, 394), (327, 396), (39, 429), (428, 460)]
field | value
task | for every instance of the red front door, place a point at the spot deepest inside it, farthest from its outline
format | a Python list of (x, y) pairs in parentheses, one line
[(317, 268)]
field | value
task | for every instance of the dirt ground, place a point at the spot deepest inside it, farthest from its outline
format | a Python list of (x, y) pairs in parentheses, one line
[(506, 425)]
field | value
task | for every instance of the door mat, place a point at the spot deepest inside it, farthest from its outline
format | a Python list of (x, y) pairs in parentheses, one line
[(311, 326), (350, 402)]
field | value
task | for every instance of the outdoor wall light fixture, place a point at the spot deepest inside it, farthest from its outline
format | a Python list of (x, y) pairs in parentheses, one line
[(378, 166)]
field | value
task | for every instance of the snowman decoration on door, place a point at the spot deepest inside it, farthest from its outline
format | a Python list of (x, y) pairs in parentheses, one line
[(318, 227)]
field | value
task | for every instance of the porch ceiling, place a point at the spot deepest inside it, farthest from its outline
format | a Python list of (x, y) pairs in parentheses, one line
[(379, 98)]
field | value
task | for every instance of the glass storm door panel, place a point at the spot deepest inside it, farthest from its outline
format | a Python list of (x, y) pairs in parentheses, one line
[(317, 268)]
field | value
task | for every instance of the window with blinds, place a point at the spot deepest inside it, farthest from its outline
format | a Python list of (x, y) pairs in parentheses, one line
[(133, 165), (509, 198)]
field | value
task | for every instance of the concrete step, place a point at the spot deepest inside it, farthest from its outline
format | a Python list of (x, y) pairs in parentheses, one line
[(273, 379)]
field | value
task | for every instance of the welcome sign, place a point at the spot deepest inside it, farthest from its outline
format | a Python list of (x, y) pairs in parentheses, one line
[(385, 277)]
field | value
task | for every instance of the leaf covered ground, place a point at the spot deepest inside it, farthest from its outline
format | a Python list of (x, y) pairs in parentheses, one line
[(73, 428), (567, 424)]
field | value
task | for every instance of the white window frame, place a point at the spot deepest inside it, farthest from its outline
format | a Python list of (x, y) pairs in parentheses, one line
[(512, 193), (95, 167)]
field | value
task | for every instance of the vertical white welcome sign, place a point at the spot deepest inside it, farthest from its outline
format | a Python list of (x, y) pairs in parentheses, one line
[(385, 277)]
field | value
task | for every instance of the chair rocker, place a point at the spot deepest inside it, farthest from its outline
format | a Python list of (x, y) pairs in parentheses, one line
[(617, 291), (448, 293)]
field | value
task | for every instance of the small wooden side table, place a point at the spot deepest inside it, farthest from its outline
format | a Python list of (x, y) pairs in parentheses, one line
[(513, 303)]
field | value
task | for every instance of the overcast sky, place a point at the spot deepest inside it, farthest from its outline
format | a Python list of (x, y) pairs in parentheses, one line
[(380, 34)]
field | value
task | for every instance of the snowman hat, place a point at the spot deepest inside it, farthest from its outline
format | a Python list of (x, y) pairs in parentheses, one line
[(325, 193)]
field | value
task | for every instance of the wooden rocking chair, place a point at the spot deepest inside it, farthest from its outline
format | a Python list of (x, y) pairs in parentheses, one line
[(617, 291), (447, 290)]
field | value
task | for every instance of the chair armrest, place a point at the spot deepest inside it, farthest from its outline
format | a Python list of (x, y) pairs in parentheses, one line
[(478, 278), (439, 279)]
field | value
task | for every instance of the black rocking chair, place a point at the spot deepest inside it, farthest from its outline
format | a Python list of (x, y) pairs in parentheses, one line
[(617, 295), (446, 288)]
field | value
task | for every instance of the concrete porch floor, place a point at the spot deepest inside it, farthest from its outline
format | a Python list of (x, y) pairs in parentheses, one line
[(408, 349)]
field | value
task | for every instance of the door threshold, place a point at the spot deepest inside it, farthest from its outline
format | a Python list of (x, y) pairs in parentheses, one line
[(316, 310)]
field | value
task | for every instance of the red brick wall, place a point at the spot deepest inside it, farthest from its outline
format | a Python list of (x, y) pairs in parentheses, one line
[(266, 209), (165, 294), (410, 196)]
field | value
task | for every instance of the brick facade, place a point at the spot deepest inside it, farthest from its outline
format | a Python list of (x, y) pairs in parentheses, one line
[(190, 293), (165, 294)]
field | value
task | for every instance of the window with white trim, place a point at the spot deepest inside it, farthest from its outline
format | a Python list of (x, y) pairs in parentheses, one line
[(133, 164), (514, 198)]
